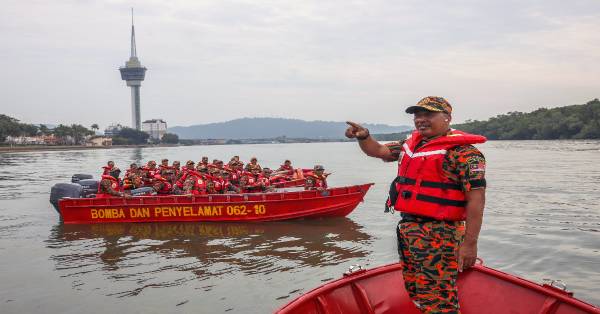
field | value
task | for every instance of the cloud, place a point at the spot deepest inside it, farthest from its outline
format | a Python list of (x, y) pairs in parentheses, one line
[(212, 61)]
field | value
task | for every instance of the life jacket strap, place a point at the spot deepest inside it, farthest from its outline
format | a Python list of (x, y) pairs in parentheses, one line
[(429, 184)]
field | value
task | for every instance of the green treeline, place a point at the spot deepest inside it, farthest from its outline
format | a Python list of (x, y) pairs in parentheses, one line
[(569, 122), (74, 134)]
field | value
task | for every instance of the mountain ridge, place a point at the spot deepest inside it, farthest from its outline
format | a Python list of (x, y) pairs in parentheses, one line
[(254, 128)]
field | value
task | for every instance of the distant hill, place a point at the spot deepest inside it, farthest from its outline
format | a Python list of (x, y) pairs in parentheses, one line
[(568, 122), (256, 128)]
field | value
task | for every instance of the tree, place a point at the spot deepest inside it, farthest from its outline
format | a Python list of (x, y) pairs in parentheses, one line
[(44, 129), (133, 136), (79, 133), (170, 138), (9, 126), (95, 127)]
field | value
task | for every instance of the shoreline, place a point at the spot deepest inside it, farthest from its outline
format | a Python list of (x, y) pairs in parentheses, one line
[(34, 148)]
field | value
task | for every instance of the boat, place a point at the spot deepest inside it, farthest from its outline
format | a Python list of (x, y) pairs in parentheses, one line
[(269, 206), (290, 184), (480, 290)]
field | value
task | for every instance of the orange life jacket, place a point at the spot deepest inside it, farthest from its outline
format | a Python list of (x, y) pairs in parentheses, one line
[(421, 188), (114, 185)]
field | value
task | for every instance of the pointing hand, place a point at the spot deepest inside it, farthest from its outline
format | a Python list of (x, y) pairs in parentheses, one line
[(356, 130)]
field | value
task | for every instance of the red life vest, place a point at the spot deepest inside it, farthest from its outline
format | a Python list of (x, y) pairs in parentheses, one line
[(288, 169), (114, 185), (107, 170), (421, 187), (319, 182), (264, 181), (219, 183), (166, 185)]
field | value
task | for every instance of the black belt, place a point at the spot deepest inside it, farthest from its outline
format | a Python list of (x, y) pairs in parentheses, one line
[(415, 218)]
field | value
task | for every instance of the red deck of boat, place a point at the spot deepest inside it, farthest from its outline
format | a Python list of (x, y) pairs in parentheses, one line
[(481, 290), (217, 207)]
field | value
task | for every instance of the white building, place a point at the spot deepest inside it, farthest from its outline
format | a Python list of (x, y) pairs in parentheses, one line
[(155, 127), (113, 129)]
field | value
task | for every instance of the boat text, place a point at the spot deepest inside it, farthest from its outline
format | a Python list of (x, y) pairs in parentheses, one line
[(177, 211)]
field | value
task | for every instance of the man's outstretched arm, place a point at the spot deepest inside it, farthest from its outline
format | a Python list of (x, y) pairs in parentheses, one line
[(367, 143)]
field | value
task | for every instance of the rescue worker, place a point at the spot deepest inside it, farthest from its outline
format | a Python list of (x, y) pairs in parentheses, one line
[(317, 179), (106, 169), (148, 173), (253, 165), (176, 170), (228, 187), (109, 185), (264, 180), (161, 185), (192, 186), (133, 170), (440, 185), (210, 188), (286, 168), (204, 161), (252, 184), (133, 182), (166, 171)]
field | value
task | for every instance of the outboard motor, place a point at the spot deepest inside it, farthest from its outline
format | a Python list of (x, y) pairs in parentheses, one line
[(90, 187), (62, 190), (143, 191), (80, 176)]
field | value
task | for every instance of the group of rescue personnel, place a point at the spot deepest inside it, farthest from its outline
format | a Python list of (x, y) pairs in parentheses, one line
[(206, 177)]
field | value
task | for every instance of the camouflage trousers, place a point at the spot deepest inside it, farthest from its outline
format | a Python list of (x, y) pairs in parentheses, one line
[(428, 254)]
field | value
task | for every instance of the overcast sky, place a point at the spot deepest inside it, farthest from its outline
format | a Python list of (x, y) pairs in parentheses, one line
[(212, 61)]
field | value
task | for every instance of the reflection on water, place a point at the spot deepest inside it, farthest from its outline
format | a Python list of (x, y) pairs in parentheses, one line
[(203, 250)]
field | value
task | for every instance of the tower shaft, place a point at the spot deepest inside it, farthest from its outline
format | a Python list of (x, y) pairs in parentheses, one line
[(134, 73), (136, 118)]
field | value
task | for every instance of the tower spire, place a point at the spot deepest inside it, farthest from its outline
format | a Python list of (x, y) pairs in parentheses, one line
[(133, 49)]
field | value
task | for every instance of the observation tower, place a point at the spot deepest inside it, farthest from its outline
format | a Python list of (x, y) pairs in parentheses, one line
[(133, 74)]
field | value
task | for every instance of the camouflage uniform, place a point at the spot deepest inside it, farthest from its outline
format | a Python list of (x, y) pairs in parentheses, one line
[(428, 248)]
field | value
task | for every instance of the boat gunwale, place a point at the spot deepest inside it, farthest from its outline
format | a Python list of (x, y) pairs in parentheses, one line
[(353, 278)]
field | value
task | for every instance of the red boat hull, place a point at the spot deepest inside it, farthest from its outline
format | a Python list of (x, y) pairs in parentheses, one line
[(217, 207), (481, 290)]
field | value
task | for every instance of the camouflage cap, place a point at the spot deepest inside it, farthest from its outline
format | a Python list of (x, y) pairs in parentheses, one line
[(431, 103)]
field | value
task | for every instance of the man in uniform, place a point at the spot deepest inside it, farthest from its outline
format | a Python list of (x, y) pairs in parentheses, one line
[(253, 165), (204, 161), (148, 173), (132, 182), (317, 179), (440, 192), (286, 168), (106, 169), (109, 185)]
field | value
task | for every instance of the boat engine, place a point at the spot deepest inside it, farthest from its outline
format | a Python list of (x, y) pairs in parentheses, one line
[(62, 190), (90, 187), (80, 176)]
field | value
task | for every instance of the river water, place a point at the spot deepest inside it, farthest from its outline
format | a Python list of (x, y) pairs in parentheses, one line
[(542, 220)]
